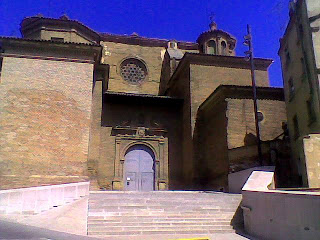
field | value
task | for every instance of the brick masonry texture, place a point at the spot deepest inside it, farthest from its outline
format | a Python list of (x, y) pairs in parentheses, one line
[(241, 120), (205, 79), (45, 111), (151, 56)]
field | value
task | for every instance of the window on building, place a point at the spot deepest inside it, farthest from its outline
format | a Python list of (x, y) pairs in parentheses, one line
[(1, 60), (223, 48), (296, 133), (304, 72), (288, 58), (57, 39), (173, 44), (301, 30), (260, 116), (307, 71), (311, 111), (291, 87), (212, 47), (133, 71)]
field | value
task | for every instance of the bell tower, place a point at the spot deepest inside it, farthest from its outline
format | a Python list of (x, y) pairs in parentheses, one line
[(216, 42)]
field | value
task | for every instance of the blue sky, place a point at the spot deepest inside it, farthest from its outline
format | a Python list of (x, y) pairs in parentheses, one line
[(179, 19)]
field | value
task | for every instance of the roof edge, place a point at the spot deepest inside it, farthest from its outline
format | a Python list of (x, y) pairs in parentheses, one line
[(244, 92)]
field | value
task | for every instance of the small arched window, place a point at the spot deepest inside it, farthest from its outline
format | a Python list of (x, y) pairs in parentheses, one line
[(212, 47), (223, 48)]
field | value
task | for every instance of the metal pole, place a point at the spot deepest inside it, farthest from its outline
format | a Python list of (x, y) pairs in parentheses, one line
[(254, 89)]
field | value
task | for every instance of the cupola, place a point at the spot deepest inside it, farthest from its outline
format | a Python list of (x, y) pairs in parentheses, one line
[(60, 29), (216, 42)]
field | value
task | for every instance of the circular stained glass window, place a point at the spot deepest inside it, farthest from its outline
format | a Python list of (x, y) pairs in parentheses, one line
[(133, 71)]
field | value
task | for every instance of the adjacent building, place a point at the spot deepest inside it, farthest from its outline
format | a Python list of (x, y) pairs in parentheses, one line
[(128, 112), (300, 57)]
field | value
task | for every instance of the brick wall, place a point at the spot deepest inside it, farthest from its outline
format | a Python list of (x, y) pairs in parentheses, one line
[(45, 111), (95, 134), (181, 89), (68, 36), (241, 121), (205, 79), (210, 137), (117, 52)]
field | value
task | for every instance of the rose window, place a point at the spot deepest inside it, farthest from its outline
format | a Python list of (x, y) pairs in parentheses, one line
[(133, 71)]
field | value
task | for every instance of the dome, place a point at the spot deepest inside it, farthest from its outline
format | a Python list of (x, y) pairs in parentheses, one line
[(216, 42)]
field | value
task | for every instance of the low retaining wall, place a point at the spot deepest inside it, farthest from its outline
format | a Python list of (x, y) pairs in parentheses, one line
[(38, 199), (274, 214)]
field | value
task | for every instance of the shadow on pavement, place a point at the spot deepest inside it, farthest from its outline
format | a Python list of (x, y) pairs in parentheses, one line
[(11, 230)]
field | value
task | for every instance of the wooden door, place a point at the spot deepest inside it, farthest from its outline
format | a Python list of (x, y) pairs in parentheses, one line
[(139, 169)]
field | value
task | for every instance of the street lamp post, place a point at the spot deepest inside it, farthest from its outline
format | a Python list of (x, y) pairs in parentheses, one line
[(250, 57)]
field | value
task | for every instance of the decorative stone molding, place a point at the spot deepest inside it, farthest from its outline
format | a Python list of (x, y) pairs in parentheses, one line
[(127, 137)]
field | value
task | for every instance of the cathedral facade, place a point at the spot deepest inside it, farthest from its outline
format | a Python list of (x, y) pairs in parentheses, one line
[(128, 112)]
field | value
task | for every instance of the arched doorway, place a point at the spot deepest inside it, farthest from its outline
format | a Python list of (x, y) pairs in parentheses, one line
[(139, 169)]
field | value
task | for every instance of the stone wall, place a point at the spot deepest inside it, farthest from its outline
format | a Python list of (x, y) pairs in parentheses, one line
[(311, 146), (273, 214), (181, 89), (45, 108), (211, 160), (67, 35), (115, 53), (205, 79), (241, 123), (95, 134)]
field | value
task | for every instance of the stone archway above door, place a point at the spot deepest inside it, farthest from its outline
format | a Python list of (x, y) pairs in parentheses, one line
[(151, 138)]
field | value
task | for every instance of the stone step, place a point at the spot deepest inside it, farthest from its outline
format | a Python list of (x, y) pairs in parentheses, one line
[(156, 210), (158, 232), (165, 200), (161, 213), (151, 219), (163, 203), (147, 224), (164, 193), (153, 228), (165, 197), (165, 216)]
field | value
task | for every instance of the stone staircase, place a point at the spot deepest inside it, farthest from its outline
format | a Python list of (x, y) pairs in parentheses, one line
[(167, 213)]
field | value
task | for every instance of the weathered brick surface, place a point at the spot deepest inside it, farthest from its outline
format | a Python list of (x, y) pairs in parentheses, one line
[(241, 121), (225, 138), (67, 36), (311, 151), (45, 110), (117, 52), (205, 79), (95, 134), (212, 163), (181, 89)]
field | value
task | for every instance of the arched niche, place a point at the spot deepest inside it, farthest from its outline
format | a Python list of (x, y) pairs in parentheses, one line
[(211, 47)]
